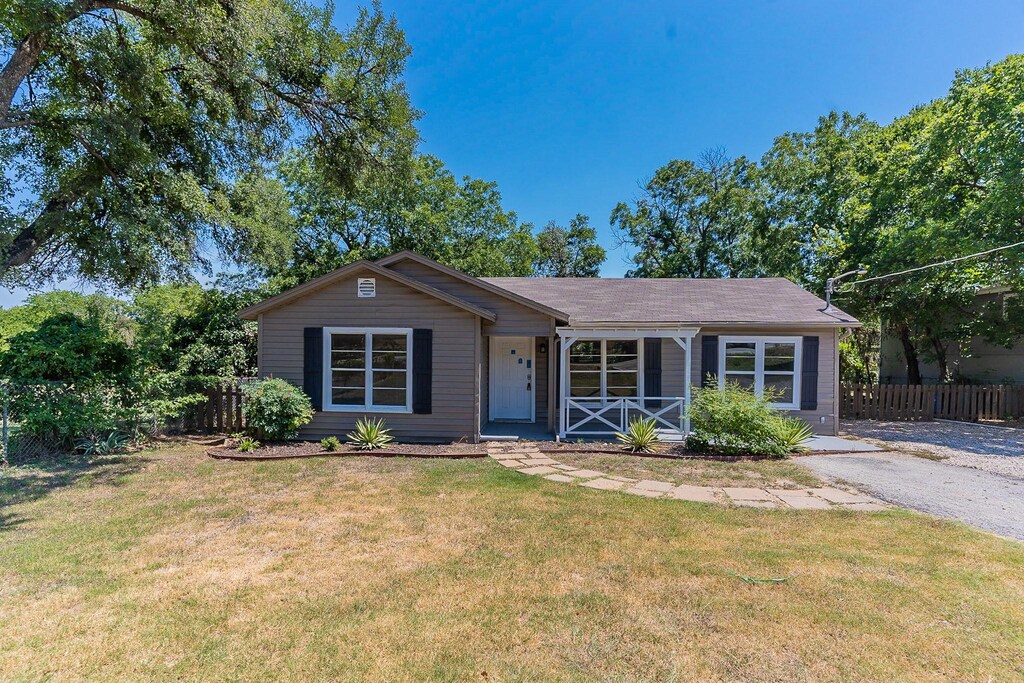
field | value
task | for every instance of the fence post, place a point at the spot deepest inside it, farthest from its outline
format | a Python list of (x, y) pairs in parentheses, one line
[(4, 461)]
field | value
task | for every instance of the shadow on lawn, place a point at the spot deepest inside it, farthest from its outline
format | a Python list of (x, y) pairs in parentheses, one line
[(25, 482)]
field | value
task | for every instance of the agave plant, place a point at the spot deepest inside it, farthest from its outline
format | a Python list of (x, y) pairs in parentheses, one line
[(640, 437), (792, 435), (369, 434), (115, 441)]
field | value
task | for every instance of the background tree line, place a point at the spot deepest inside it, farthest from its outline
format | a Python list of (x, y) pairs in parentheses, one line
[(944, 180)]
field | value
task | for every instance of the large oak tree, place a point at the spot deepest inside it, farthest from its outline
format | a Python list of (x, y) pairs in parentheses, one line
[(136, 135)]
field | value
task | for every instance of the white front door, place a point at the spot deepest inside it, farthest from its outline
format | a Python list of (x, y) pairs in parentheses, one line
[(512, 378)]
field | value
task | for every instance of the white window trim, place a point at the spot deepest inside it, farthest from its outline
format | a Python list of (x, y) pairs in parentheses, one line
[(329, 405), (603, 395), (759, 343)]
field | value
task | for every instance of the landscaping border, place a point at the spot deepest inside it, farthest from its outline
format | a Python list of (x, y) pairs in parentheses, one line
[(225, 453)]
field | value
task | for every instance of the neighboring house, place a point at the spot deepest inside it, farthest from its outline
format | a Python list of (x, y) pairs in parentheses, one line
[(446, 356), (978, 363)]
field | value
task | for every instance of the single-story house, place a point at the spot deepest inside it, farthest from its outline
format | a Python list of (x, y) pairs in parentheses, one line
[(446, 356)]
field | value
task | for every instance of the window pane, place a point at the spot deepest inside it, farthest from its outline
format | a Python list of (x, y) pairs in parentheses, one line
[(781, 385), (621, 347), (348, 397), (389, 342), (622, 362), (745, 381), (348, 378), (389, 360), (393, 380), (739, 356), (585, 384), (348, 359), (348, 342), (779, 357), (622, 391), (389, 397)]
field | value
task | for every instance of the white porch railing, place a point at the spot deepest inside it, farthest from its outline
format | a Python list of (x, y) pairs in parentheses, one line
[(601, 417)]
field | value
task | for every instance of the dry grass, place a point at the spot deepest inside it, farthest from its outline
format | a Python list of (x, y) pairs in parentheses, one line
[(168, 566), (781, 474)]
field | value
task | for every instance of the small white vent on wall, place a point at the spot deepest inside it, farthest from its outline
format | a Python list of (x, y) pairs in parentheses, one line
[(367, 287)]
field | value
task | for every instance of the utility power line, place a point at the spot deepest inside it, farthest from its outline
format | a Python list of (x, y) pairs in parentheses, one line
[(935, 265)]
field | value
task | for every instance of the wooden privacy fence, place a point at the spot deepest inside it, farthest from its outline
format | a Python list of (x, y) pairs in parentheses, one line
[(220, 413), (968, 402)]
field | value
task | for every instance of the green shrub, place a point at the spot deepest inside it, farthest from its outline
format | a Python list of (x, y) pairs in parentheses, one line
[(275, 409), (330, 443), (640, 437), (733, 421), (793, 434), (370, 434), (247, 444)]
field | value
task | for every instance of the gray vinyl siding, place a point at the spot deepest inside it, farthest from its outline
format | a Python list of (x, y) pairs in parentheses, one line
[(513, 319), (827, 346), (455, 403)]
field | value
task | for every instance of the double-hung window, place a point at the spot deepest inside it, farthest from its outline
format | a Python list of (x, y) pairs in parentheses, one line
[(367, 369), (604, 367), (762, 363)]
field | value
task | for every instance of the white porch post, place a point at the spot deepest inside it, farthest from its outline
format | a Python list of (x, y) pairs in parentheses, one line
[(563, 386), (686, 389)]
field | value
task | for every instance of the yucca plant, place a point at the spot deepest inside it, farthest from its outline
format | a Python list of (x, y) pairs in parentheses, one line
[(793, 434), (115, 441), (369, 434), (640, 437)]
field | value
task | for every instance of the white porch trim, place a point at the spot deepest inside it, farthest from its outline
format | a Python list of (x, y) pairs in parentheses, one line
[(614, 411)]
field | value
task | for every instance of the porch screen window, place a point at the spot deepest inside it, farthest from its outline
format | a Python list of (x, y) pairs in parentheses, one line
[(762, 363), (369, 369), (603, 367)]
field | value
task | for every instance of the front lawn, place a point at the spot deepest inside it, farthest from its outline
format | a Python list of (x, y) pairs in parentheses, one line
[(171, 566)]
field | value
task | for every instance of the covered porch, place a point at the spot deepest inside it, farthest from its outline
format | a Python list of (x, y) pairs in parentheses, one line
[(609, 376)]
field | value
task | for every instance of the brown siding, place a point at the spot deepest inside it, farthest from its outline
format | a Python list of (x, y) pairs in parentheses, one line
[(826, 369), (513, 319), (395, 305)]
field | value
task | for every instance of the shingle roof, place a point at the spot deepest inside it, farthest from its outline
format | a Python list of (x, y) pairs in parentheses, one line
[(768, 301)]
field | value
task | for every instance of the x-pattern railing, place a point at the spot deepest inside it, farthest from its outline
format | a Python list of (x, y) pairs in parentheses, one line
[(615, 413)]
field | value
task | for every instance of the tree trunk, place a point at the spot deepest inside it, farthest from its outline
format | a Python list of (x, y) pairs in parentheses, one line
[(27, 242), (940, 358), (21, 64), (910, 353)]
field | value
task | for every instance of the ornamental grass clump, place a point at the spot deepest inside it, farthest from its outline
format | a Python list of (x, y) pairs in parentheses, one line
[(370, 434), (735, 421), (640, 437)]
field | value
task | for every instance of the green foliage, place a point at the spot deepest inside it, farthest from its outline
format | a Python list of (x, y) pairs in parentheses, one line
[(426, 209), (734, 421), (330, 443), (275, 409), (569, 253), (247, 444), (140, 143), (65, 347), (793, 434), (640, 437), (370, 434), (115, 442)]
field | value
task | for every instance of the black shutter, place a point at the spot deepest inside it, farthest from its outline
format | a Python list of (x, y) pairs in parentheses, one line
[(422, 370), (313, 365), (652, 368), (809, 375), (708, 360)]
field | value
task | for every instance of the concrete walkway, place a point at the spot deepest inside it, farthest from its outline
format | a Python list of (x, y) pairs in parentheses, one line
[(527, 459), (985, 500)]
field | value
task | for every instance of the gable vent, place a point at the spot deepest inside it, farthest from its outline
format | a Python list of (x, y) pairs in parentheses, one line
[(367, 287)]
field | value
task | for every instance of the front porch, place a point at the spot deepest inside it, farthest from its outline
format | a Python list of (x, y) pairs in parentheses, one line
[(609, 376)]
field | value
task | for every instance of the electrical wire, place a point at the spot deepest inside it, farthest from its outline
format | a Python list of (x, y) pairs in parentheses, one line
[(933, 265)]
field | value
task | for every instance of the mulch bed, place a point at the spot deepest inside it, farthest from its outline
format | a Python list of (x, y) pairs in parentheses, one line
[(312, 449)]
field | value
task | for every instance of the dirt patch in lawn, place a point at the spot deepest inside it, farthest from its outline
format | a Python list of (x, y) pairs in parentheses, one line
[(312, 449)]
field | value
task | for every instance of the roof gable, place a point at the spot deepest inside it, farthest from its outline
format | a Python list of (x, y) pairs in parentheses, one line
[(351, 269), (485, 284)]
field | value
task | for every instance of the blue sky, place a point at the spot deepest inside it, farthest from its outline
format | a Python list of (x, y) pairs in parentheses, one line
[(569, 106)]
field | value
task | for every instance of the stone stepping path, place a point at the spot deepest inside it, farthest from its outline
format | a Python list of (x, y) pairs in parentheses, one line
[(528, 459)]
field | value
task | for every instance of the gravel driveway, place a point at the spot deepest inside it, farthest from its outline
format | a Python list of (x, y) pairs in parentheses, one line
[(994, 449), (985, 500)]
